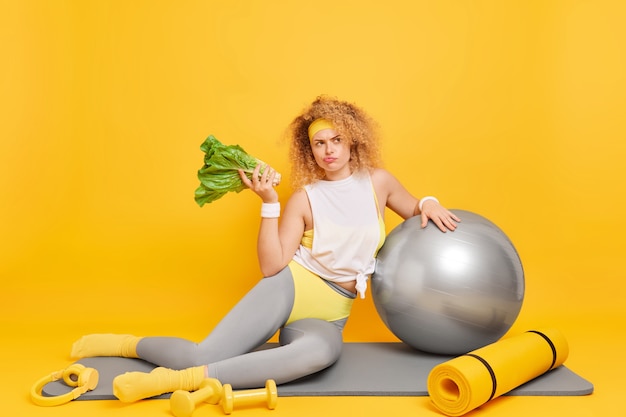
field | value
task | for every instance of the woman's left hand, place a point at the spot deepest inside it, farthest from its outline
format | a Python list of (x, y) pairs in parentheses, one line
[(442, 217)]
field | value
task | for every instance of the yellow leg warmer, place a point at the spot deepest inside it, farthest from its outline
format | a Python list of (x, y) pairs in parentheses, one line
[(124, 345), (133, 386)]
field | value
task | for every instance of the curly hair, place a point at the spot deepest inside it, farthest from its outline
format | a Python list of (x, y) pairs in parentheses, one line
[(350, 121)]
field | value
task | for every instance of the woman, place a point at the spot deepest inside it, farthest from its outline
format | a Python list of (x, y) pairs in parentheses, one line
[(315, 262)]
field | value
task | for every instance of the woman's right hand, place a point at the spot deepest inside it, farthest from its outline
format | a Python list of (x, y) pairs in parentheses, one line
[(262, 184)]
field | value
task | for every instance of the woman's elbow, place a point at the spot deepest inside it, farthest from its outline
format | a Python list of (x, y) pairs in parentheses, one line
[(270, 270)]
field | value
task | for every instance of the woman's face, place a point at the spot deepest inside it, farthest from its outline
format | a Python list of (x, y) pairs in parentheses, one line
[(332, 153)]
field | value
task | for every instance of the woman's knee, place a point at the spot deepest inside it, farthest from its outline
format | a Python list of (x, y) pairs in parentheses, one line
[(318, 342)]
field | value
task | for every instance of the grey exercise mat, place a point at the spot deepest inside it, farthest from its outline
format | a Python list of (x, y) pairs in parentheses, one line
[(364, 369)]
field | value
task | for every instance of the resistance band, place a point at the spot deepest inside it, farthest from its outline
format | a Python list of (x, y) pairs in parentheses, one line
[(471, 380)]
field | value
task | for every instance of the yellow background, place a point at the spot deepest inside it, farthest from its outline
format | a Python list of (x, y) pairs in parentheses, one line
[(511, 109)]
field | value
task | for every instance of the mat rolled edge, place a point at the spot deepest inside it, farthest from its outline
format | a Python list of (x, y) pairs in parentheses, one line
[(468, 381)]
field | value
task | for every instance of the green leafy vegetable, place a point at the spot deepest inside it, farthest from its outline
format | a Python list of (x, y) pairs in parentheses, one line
[(219, 174)]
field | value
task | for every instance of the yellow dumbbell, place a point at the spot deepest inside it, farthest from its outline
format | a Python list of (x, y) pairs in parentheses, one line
[(183, 403), (230, 399)]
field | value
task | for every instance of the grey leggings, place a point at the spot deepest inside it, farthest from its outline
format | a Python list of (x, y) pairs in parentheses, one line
[(305, 346)]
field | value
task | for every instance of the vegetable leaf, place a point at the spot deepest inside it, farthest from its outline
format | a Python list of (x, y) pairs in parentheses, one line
[(219, 175)]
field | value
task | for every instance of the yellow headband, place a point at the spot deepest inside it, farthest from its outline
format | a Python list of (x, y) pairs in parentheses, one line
[(319, 124)]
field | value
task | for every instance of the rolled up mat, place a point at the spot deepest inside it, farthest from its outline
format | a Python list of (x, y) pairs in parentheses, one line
[(466, 382)]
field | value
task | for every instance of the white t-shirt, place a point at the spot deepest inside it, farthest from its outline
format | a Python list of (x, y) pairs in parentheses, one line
[(346, 229)]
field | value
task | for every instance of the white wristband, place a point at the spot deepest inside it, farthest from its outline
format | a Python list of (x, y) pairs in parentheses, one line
[(270, 210), (423, 200)]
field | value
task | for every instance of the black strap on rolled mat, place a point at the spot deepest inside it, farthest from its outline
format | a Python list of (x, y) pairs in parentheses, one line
[(490, 369), (493, 375), (547, 339)]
